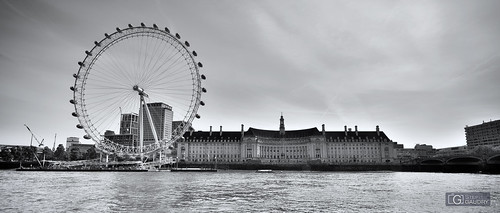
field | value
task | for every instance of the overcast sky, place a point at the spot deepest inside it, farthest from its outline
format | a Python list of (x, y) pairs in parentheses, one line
[(421, 70)]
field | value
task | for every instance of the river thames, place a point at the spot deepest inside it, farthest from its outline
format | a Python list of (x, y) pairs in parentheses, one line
[(241, 191)]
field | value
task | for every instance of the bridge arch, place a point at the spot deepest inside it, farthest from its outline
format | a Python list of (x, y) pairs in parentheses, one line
[(464, 160), (495, 159), (432, 162)]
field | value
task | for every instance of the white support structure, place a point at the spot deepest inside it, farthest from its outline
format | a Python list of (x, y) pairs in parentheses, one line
[(143, 105)]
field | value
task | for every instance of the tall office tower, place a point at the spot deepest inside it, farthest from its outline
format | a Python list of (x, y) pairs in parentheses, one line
[(129, 124), (487, 133), (162, 116)]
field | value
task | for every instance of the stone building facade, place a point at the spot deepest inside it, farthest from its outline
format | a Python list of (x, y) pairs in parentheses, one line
[(287, 146)]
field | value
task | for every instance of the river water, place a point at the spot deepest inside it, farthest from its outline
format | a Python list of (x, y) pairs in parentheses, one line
[(241, 191)]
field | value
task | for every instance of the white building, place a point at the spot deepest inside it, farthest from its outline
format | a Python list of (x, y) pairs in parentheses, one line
[(287, 147)]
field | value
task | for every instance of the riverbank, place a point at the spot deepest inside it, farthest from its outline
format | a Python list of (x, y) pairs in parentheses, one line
[(466, 168)]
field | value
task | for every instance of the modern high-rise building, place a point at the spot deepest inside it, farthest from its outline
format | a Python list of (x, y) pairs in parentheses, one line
[(162, 116), (487, 133), (129, 124)]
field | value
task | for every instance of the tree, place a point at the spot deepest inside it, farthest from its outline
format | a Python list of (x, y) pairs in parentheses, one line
[(60, 153), (49, 154), (6, 155), (75, 154), (27, 153), (90, 154), (16, 153)]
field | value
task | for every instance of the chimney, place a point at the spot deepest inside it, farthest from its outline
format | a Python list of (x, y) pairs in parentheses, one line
[(242, 132), (220, 133), (345, 130), (323, 129), (378, 130), (356, 129), (210, 134)]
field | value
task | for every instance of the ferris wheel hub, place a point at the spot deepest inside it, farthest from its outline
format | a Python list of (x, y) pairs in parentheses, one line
[(140, 90)]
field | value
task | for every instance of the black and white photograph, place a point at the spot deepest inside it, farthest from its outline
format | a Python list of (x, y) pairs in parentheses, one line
[(249, 106)]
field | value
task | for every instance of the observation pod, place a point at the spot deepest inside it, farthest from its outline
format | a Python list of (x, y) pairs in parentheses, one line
[(87, 137)]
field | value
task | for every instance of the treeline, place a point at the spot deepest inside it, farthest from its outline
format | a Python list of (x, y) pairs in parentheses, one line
[(27, 153)]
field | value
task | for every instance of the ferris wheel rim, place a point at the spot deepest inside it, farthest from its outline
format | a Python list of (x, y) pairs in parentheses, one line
[(92, 56)]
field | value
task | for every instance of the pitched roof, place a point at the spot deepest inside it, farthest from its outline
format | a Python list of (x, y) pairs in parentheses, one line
[(352, 134), (216, 135), (288, 134)]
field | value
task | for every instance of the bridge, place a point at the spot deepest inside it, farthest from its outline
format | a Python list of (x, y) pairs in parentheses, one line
[(462, 163)]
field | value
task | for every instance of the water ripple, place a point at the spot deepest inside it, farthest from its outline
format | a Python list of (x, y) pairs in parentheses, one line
[(239, 191)]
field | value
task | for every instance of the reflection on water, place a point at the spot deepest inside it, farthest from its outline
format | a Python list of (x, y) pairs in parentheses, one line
[(240, 191)]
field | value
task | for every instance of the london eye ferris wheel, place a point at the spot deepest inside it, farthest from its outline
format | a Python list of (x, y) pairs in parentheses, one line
[(126, 71)]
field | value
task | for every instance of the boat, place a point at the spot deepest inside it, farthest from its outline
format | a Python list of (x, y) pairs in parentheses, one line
[(193, 170), (264, 171)]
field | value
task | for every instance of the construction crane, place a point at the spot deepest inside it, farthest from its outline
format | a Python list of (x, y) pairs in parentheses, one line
[(40, 143), (54, 146)]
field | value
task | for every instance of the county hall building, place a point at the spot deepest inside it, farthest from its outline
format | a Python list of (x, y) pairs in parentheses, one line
[(287, 147)]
